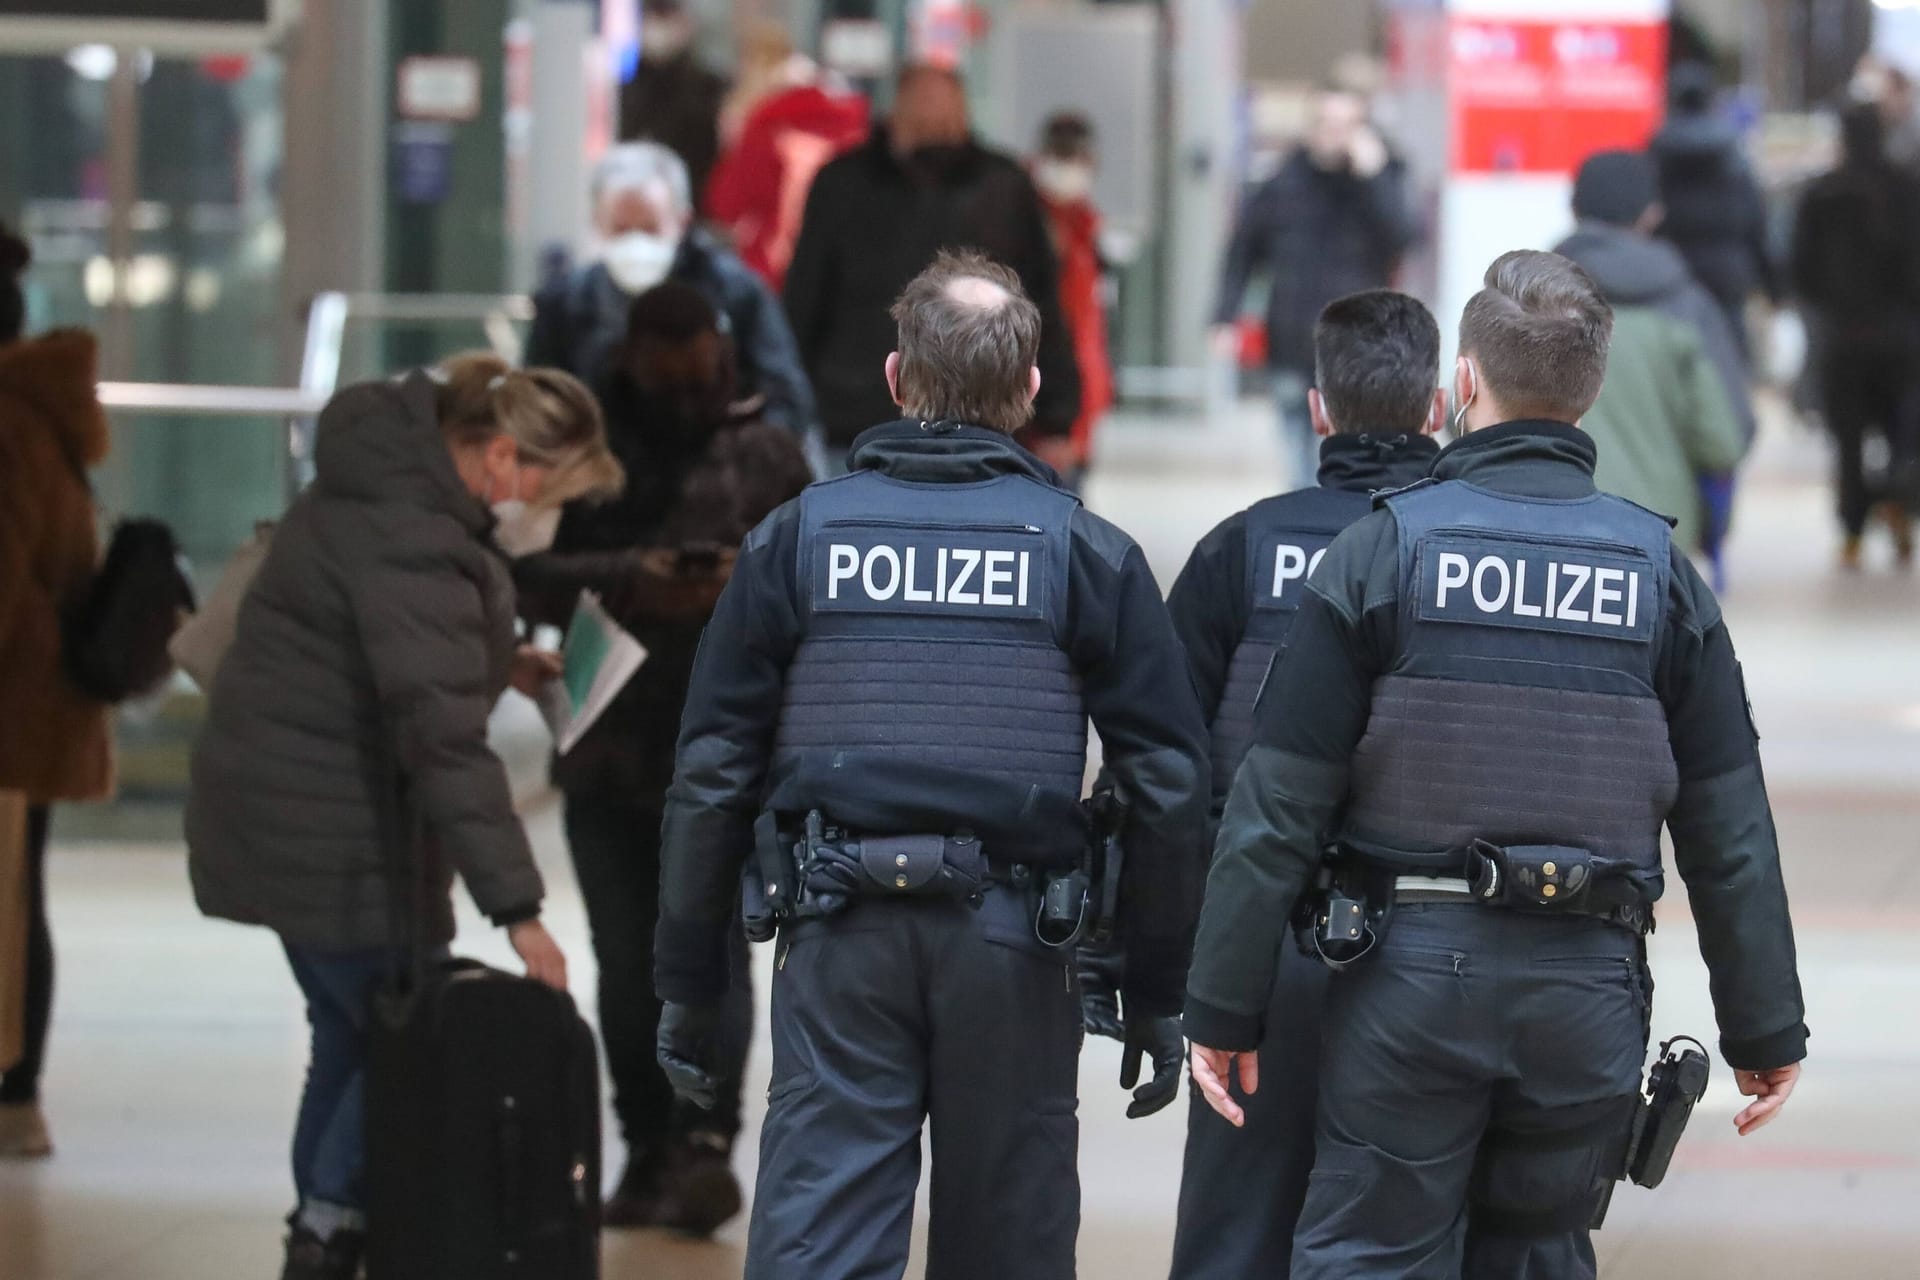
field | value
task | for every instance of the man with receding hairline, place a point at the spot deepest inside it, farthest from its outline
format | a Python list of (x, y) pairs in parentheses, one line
[(896, 686), (1498, 687)]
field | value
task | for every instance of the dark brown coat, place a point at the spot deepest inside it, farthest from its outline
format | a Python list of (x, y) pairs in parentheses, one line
[(54, 741)]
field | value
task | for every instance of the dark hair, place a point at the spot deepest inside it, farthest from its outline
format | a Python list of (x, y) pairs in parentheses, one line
[(1067, 135), (677, 338), (969, 336), (1539, 333), (1376, 361), (14, 257)]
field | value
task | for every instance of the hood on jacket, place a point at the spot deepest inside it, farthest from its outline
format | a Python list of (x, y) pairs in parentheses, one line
[(58, 373), (1696, 143), (1632, 270), (381, 442), (944, 453), (1366, 461)]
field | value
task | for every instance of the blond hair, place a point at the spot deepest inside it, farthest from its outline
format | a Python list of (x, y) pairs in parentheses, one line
[(553, 419)]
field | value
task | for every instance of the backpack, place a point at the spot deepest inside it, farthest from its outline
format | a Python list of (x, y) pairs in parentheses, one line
[(115, 636)]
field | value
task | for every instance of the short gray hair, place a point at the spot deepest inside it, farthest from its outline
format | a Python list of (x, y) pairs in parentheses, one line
[(635, 166)]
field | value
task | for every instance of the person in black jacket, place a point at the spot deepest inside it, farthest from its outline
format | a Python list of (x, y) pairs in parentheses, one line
[(1715, 215), (1334, 220), (899, 675), (875, 219), (643, 211), (674, 98), (1856, 269), (703, 470), (1376, 404), (1498, 687)]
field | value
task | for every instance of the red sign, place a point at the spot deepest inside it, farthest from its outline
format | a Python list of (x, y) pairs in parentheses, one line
[(1540, 97)]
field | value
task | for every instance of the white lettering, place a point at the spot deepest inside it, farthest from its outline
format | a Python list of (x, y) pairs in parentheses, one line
[(1604, 594), (1553, 585), (843, 562), (969, 560), (1520, 606), (999, 570), (1313, 565), (1633, 598), (913, 594), (892, 558), (1025, 556), (1289, 563), (1499, 602), (940, 580), (1579, 573), (1453, 573)]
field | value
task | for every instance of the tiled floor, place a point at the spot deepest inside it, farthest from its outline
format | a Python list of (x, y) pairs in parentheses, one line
[(179, 1042)]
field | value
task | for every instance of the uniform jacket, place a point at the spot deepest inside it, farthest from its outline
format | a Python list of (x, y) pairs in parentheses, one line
[(56, 744), (581, 319), (378, 634), (1317, 710), (704, 496), (1675, 405), (1211, 603), (1315, 236), (1120, 641), (873, 224)]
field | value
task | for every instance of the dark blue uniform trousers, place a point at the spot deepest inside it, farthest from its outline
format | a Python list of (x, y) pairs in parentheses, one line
[(903, 1011), (1467, 1022), (1241, 1190)]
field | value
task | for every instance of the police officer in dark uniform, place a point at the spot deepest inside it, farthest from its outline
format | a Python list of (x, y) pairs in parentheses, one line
[(1376, 402), (900, 674), (1494, 692)]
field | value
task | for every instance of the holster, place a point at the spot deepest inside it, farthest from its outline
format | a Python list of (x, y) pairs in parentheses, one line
[(1343, 917)]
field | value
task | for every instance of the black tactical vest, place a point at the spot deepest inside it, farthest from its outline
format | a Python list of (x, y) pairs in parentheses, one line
[(1520, 706), (931, 687), (1286, 536)]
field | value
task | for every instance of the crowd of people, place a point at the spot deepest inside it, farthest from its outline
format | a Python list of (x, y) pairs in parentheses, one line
[(775, 299)]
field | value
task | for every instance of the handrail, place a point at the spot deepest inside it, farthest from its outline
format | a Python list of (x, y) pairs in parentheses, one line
[(218, 401), (432, 307)]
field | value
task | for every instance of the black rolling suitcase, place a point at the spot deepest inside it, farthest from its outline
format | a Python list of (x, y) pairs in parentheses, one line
[(483, 1121)]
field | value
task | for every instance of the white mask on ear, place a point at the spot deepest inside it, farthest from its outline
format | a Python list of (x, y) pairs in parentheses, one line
[(1460, 414)]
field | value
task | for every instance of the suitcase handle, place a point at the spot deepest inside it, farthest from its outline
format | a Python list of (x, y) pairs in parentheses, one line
[(510, 1136)]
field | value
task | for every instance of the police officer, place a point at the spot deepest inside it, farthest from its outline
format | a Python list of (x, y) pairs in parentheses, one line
[(1494, 692), (900, 673), (1376, 405)]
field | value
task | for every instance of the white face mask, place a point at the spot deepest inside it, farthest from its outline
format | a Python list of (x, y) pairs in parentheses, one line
[(1065, 181), (520, 530), (637, 261)]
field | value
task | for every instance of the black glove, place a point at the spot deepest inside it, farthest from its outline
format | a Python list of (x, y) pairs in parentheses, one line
[(1101, 966), (1159, 1039), (689, 1051)]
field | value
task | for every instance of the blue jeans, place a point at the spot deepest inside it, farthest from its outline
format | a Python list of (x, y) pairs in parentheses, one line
[(329, 1141)]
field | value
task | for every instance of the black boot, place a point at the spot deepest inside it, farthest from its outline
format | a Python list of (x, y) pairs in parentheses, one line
[(635, 1202), (699, 1191), (311, 1258)]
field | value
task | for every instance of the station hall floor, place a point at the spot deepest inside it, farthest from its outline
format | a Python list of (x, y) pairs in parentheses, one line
[(178, 1043)]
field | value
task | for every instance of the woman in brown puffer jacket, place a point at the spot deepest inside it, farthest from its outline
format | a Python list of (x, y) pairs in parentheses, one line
[(54, 743)]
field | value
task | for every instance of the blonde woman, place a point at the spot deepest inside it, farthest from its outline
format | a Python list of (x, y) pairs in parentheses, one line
[(369, 652)]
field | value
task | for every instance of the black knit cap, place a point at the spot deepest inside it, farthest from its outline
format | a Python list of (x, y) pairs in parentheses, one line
[(1615, 187)]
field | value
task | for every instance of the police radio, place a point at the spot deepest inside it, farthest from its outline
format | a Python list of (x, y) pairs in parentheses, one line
[(1675, 1085)]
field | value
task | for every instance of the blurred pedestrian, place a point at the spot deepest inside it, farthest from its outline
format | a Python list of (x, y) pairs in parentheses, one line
[(1675, 410), (54, 740), (1891, 90), (703, 469), (1064, 170), (1856, 269), (877, 216), (643, 210), (674, 98), (1714, 213), (369, 652), (798, 121), (1334, 220)]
